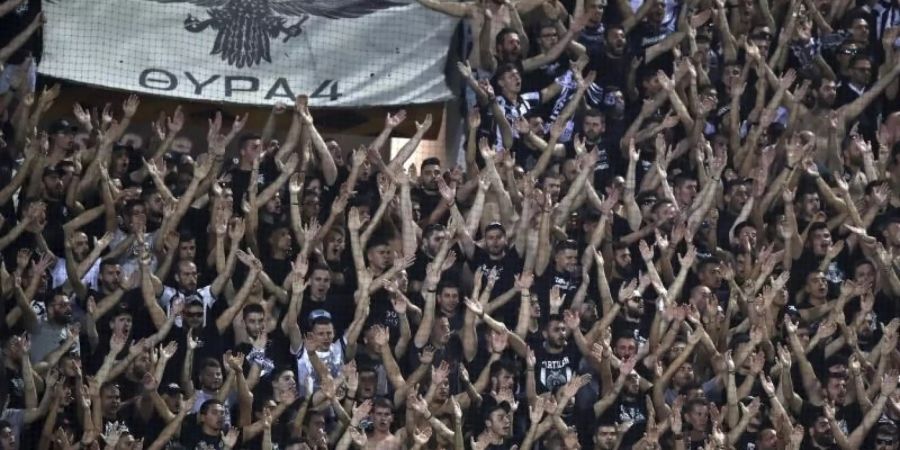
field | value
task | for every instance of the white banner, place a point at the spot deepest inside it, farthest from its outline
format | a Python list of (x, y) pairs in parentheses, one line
[(339, 52)]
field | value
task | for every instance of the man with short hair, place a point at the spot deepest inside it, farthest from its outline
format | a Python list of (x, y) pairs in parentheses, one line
[(433, 236), (205, 429), (558, 358), (250, 148), (382, 419), (497, 420), (449, 300), (321, 339), (497, 256), (593, 131), (605, 436), (433, 208), (320, 295), (685, 190), (50, 332), (561, 274)]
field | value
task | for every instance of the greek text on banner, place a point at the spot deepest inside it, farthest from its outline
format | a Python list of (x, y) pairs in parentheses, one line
[(339, 52)]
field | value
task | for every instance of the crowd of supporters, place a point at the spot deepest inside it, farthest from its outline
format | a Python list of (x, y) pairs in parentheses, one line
[(674, 225)]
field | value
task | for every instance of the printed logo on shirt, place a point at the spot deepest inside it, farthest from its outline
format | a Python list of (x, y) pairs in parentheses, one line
[(555, 373)]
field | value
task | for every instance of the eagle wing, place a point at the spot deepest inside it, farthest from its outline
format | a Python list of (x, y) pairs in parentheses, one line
[(201, 3), (329, 9)]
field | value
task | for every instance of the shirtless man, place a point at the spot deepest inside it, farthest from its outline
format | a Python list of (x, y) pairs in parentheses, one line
[(382, 418), (823, 120)]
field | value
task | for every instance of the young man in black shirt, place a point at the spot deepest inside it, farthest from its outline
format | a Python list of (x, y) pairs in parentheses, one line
[(498, 431), (204, 430), (496, 256), (561, 274), (558, 359), (427, 192)]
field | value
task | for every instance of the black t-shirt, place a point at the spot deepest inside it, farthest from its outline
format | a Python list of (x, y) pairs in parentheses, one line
[(276, 269), (567, 283), (57, 215), (506, 445), (417, 271), (240, 182), (136, 425), (643, 36), (847, 417), (553, 370), (15, 387), (594, 40), (382, 313), (428, 202), (340, 306), (193, 437), (507, 267), (611, 70), (545, 75)]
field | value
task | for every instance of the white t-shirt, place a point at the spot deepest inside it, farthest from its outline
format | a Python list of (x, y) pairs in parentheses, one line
[(307, 379), (60, 275), (170, 294), (129, 260)]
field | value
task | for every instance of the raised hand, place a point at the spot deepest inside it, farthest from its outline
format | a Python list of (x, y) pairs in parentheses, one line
[(422, 434), (130, 106), (571, 319), (394, 120), (231, 437), (426, 124), (675, 419), (358, 437), (464, 69), (361, 411), (556, 298), (440, 373), (426, 356), (524, 281), (475, 306)]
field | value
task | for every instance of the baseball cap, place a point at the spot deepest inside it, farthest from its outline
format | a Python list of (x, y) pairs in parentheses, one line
[(172, 389), (494, 226), (318, 314), (61, 125), (121, 309)]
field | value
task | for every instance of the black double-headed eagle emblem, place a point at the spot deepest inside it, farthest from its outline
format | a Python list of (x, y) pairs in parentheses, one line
[(246, 28)]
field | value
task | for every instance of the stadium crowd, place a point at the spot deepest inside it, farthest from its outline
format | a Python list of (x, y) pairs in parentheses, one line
[(676, 227)]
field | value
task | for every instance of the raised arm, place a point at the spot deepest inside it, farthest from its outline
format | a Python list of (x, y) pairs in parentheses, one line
[(21, 38), (851, 111), (451, 8), (325, 160), (407, 150), (556, 51)]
